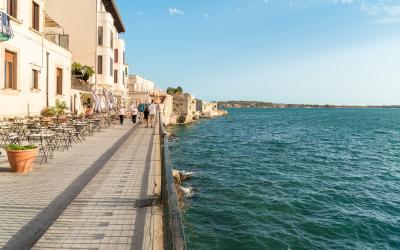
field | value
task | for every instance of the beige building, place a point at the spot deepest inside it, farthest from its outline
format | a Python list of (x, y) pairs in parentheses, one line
[(139, 88), (94, 27), (138, 84), (35, 68)]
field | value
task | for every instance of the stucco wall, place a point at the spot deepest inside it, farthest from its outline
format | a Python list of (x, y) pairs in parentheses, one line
[(31, 49), (79, 20)]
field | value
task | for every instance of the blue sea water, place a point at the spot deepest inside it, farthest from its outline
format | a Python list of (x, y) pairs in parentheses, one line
[(293, 179)]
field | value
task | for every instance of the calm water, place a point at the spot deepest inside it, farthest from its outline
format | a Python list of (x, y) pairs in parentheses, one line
[(293, 179)]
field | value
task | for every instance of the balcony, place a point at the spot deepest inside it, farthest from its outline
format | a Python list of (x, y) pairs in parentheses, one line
[(54, 33), (81, 85), (60, 40)]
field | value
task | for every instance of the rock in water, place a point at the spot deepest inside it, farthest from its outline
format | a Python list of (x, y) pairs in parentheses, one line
[(177, 176), (186, 175), (188, 191)]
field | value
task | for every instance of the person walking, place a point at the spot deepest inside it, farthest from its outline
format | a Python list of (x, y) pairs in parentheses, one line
[(152, 113), (134, 111), (141, 111), (146, 113), (121, 114)]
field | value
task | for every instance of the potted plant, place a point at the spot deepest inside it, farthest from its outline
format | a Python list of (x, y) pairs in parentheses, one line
[(21, 158), (87, 72), (82, 72), (48, 112), (60, 110)]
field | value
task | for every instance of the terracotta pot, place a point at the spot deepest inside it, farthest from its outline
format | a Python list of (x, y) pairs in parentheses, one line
[(21, 161)]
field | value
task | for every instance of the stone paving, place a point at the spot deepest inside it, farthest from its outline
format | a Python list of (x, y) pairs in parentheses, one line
[(93, 193)]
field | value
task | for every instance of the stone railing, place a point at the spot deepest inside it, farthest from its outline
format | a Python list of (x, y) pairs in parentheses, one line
[(81, 85)]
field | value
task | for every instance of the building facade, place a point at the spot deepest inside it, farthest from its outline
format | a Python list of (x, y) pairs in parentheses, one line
[(94, 28), (35, 68), (138, 84)]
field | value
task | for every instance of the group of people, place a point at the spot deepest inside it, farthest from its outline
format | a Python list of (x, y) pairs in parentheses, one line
[(144, 113)]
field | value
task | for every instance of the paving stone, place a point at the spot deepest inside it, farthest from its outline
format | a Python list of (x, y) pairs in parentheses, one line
[(102, 215), (111, 198)]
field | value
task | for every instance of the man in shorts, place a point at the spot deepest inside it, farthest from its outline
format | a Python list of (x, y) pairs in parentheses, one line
[(152, 114)]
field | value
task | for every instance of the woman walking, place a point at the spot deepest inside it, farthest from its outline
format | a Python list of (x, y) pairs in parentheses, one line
[(134, 111), (121, 114)]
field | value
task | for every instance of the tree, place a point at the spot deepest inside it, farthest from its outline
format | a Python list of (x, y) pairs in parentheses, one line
[(179, 90), (171, 91), (175, 91)]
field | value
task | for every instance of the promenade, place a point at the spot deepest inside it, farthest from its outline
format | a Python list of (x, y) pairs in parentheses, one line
[(101, 194)]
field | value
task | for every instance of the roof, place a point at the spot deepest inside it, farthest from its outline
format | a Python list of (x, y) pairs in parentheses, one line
[(49, 22), (112, 8)]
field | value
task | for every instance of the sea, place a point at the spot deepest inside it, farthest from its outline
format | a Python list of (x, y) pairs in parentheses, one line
[(292, 179)]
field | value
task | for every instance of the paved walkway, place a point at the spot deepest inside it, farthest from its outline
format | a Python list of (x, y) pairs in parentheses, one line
[(91, 197)]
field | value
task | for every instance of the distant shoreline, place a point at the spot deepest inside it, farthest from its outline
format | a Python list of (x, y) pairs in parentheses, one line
[(267, 105)]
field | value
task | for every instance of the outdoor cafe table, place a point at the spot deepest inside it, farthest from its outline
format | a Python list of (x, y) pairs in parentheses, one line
[(90, 127), (80, 130), (46, 143), (67, 135), (4, 132)]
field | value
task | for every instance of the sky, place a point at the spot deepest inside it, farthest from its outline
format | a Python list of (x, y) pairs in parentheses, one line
[(282, 51)]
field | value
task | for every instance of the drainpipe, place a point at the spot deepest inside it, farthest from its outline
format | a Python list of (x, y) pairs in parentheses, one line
[(47, 78)]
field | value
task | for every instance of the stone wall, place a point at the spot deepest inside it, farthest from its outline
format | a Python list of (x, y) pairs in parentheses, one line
[(167, 108), (184, 107)]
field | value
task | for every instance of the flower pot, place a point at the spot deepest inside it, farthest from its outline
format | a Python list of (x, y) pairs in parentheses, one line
[(21, 161)]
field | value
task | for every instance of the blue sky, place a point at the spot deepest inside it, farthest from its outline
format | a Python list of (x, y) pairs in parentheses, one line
[(286, 51)]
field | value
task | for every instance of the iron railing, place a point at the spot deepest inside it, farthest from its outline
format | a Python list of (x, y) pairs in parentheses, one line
[(174, 237)]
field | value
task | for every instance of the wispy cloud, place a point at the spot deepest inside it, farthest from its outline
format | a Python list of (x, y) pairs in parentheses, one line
[(379, 11), (382, 13), (175, 12)]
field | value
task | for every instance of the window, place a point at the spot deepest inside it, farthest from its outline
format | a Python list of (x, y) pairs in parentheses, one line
[(10, 68), (100, 36), (111, 66), (59, 81), (123, 77), (100, 65), (112, 39), (35, 79), (116, 56), (35, 16), (115, 76), (123, 57), (12, 8)]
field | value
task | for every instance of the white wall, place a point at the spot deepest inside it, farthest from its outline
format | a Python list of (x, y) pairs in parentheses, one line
[(31, 49), (140, 84)]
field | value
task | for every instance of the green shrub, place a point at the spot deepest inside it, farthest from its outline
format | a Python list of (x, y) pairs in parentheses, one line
[(16, 147), (83, 72), (61, 107), (48, 112)]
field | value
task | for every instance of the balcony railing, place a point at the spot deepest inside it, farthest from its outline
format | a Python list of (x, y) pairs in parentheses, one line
[(60, 40), (81, 85)]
